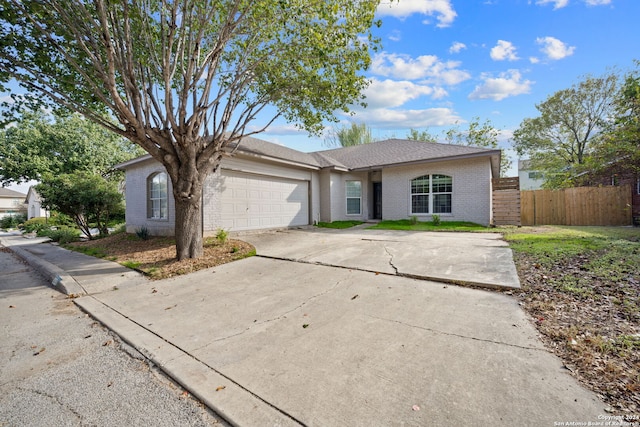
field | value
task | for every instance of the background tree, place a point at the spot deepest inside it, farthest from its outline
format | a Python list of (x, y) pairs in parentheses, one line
[(621, 144), (348, 136), (479, 135), (89, 199), (424, 135), (570, 125), (184, 79), (40, 145)]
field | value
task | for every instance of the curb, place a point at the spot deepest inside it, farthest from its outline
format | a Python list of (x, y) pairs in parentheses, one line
[(58, 278), (237, 405)]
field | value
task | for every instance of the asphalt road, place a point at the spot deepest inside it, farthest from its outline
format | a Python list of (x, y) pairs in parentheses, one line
[(59, 367)]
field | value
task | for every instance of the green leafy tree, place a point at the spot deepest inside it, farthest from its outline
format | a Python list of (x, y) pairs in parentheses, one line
[(478, 134), (621, 144), (424, 135), (184, 79), (40, 144), (89, 199), (348, 136), (570, 126)]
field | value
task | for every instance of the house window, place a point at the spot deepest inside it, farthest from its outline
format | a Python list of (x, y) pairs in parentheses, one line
[(157, 196), (535, 175), (431, 194), (354, 197), (638, 185)]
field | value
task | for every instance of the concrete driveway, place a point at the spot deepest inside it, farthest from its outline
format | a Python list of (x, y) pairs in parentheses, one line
[(269, 341), (477, 259)]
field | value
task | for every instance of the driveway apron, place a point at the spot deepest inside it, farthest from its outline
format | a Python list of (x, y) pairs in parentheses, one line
[(268, 341)]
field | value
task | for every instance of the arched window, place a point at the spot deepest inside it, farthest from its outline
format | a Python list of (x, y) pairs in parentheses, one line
[(157, 196), (431, 194)]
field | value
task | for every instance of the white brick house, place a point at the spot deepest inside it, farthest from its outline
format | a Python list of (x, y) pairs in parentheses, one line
[(264, 185)]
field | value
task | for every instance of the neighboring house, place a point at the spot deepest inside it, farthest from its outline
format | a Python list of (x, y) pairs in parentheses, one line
[(529, 179), (34, 204), (264, 185), (11, 202)]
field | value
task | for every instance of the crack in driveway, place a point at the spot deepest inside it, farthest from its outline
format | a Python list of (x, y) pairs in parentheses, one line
[(436, 331), (283, 315), (391, 259)]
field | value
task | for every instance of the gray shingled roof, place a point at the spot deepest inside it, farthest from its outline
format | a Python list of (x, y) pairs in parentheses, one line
[(251, 145), (398, 151), (374, 155)]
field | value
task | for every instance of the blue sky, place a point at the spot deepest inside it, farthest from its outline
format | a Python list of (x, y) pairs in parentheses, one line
[(448, 61)]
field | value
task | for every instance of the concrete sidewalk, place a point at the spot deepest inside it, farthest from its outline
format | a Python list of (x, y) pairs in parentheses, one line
[(266, 341)]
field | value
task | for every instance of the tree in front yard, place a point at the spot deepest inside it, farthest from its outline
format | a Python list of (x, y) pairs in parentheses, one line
[(186, 79), (89, 199)]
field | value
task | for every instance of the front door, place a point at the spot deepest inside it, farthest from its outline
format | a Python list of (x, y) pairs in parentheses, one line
[(377, 200)]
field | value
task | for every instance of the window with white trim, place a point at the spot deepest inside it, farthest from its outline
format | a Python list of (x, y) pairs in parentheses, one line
[(157, 196), (431, 194), (353, 190)]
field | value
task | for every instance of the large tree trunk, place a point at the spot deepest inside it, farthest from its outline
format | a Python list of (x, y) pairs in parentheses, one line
[(188, 227)]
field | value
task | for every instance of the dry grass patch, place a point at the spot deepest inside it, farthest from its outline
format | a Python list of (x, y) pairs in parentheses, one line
[(155, 256)]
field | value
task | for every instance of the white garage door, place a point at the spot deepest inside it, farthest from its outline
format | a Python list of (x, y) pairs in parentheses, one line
[(254, 201)]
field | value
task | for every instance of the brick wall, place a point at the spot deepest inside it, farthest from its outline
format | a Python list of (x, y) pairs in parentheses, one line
[(471, 200)]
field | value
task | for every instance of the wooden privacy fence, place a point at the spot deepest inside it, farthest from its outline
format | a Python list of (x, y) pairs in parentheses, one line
[(577, 206), (506, 201)]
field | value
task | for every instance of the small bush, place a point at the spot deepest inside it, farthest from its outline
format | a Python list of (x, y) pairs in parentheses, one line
[(34, 225), (222, 235), (435, 219), (12, 220), (143, 233), (63, 234), (413, 220)]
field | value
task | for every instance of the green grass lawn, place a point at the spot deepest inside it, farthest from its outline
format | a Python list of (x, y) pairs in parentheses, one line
[(339, 224), (407, 224)]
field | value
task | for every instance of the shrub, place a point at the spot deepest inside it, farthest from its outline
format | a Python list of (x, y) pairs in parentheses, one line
[(63, 234), (435, 219), (222, 235), (12, 220), (143, 233), (413, 220), (34, 225)]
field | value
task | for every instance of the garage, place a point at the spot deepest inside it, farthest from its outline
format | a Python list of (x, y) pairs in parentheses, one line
[(251, 201)]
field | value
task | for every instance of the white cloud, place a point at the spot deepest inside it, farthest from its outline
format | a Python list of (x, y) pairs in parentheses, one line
[(280, 129), (427, 67), (554, 48), (442, 9), (395, 36), (397, 119), (457, 47), (597, 2), (534, 60), (393, 93), (507, 84), (557, 4), (504, 50)]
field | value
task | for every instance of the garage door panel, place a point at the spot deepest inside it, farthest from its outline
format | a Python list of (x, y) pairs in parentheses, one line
[(255, 201)]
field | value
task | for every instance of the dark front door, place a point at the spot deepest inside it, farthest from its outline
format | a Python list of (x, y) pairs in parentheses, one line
[(377, 200)]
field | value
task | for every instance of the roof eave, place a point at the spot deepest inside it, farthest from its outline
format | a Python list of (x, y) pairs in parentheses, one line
[(274, 159)]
